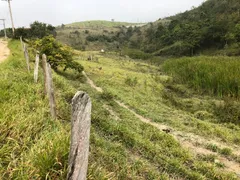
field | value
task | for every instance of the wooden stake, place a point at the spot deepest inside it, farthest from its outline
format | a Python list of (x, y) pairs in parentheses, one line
[(51, 96), (48, 86), (44, 66), (80, 135), (26, 56), (22, 43), (36, 68)]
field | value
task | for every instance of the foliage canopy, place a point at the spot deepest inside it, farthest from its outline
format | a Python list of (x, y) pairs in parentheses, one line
[(57, 53)]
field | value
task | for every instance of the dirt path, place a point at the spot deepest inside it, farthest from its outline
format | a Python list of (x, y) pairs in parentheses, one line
[(194, 143), (4, 51)]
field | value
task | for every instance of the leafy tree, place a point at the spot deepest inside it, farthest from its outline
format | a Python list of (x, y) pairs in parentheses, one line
[(58, 54), (39, 30)]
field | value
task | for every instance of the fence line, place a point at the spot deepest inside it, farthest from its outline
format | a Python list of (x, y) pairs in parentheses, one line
[(80, 123)]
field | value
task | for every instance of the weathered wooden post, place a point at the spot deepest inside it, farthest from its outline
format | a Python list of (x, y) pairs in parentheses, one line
[(26, 56), (51, 96), (48, 84), (36, 68), (22, 43), (80, 135), (44, 66)]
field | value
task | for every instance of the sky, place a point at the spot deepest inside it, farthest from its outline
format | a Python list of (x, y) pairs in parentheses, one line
[(58, 12)]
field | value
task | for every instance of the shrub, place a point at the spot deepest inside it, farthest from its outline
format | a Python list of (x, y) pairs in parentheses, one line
[(57, 54), (137, 54), (228, 111), (131, 81), (226, 151)]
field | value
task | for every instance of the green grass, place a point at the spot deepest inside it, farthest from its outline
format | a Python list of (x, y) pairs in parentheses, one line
[(147, 98), (99, 24), (33, 146), (216, 75)]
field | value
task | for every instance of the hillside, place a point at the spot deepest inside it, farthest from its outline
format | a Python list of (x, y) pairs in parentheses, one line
[(93, 35), (100, 24), (137, 131), (215, 26)]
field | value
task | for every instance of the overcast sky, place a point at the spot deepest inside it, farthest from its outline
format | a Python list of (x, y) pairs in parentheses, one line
[(57, 12)]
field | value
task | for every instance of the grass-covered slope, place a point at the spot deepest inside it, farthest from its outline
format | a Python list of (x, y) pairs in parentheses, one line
[(93, 35), (100, 24), (33, 146), (145, 89)]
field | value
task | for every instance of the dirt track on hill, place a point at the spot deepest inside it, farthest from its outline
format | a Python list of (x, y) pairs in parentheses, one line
[(4, 51), (194, 143)]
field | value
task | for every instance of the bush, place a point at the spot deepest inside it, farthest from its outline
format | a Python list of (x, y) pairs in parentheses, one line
[(228, 111), (137, 54), (57, 54), (177, 49), (131, 81)]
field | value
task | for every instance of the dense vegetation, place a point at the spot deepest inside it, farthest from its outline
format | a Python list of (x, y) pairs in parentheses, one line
[(215, 24), (96, 35), (212, 28), (41, 38), (57, 53), (36, 30), (216, 75)]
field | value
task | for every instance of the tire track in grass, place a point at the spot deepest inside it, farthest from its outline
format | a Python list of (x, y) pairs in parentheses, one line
[(189, 141)]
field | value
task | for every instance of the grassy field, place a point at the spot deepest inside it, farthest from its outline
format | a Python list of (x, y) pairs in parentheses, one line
[(152, 94), (33, 146)]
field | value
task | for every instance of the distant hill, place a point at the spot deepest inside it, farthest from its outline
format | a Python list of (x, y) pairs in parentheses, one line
[(93, 35), (213, 27), (101, 24)]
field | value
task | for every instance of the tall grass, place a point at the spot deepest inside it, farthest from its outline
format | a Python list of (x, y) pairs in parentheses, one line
[(216, 75)]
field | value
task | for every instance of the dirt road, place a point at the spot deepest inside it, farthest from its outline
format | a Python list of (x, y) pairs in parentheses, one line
[(4, 51)]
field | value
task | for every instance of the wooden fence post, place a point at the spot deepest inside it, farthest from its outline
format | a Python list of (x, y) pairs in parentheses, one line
[(51, 96), (44, 66), (48, 84), (22, 43), (36, 68), (80, 135), (26, 56)]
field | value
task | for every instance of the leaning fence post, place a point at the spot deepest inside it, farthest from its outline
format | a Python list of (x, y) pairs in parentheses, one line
[(48, 84), (22, 43), (44, 66), (51, 96), (26, 56), (80, 135), (36, 68)]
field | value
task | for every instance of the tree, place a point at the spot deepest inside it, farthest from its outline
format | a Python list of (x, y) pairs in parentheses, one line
[(58, 54), (39, 30)]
